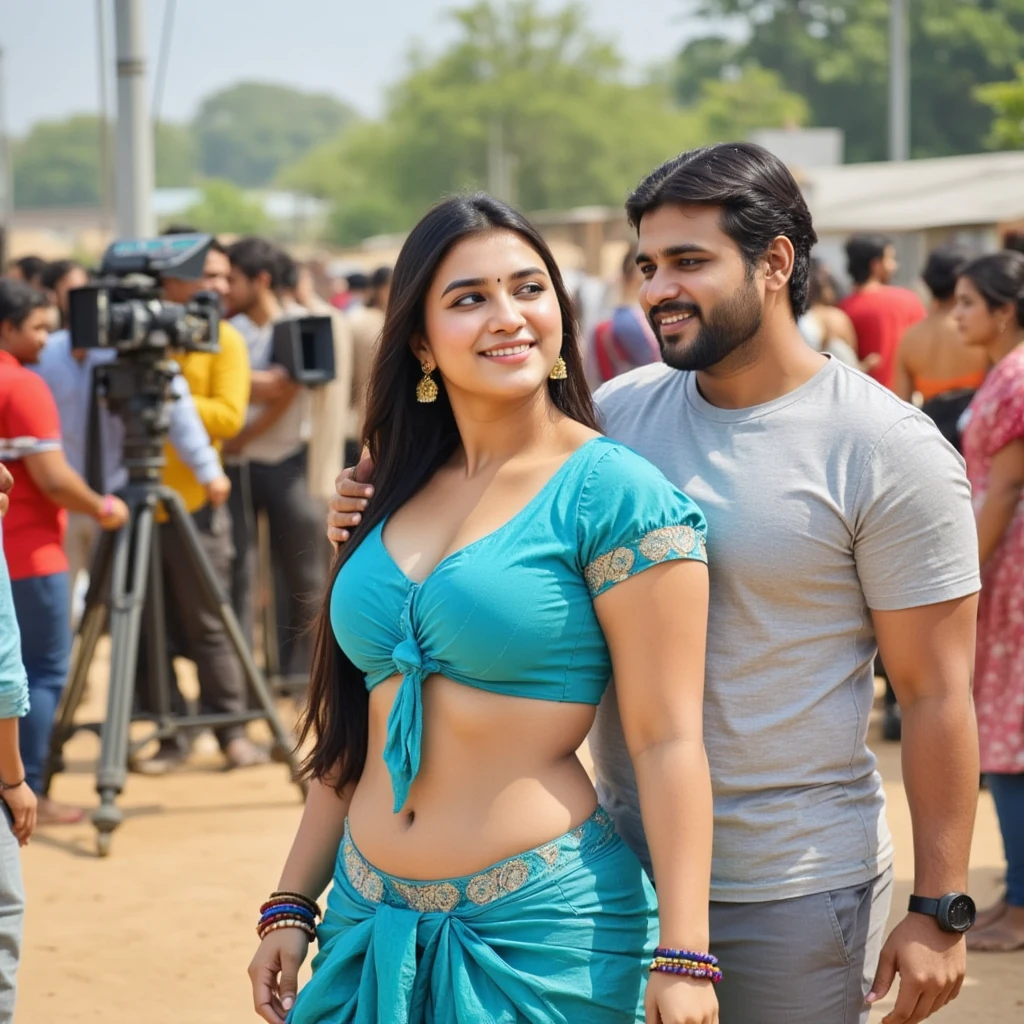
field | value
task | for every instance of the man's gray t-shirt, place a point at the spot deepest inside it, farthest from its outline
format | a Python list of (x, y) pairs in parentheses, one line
[(832, 500)]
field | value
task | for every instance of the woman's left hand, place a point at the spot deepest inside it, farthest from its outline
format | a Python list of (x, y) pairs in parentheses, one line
[(678, 999)]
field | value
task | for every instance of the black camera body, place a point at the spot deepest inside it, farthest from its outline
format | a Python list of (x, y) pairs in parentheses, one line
[(123, 309)]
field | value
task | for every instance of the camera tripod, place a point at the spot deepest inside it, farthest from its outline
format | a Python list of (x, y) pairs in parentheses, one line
[(126, 585)]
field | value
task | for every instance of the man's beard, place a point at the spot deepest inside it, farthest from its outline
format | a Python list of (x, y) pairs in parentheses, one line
[(727, 328)]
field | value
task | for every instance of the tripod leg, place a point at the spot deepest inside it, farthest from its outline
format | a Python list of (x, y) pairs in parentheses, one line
[(218, 602), (127, 597), (157, 681), (90, 629)]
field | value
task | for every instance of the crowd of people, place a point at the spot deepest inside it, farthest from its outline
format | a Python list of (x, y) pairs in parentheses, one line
[(687, 538)]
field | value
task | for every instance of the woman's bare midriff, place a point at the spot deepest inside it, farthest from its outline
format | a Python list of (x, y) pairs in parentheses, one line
[(498, 775)]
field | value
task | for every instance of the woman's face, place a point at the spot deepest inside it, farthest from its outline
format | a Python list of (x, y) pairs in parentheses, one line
[(978, 325), (493, 323)]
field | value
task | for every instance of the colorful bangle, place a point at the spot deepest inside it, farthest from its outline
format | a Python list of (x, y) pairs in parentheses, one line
[(295, 908), (267, 918), (292, 897), (667, 953), (310, 932)]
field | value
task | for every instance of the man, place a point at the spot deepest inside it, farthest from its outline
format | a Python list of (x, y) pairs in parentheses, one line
[(625, 341), (69, 374), (824, 495), (269, 470), (29, 269), (219, 384), (59, 278), (880, 311)]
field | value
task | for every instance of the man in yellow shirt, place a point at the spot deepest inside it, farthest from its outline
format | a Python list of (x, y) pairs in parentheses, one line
[(219, 383)]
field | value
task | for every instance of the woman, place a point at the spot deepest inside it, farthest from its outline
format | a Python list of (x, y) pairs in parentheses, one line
[(483, 600), (990, 315), (933, 359), (34, 527), (825, 327)]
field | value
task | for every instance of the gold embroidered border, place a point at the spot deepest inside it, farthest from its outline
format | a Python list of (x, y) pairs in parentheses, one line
[(655, 546)]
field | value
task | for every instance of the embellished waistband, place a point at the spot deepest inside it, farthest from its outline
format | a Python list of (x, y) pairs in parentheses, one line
[(502, 879)]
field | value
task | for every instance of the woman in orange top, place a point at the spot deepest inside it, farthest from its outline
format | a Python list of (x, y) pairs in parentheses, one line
[(933, 360)]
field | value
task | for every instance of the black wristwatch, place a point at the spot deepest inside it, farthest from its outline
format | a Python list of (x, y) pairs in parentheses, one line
[(954, 912)]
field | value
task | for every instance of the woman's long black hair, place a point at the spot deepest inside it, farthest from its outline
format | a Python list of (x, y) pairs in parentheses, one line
[(409, 442)]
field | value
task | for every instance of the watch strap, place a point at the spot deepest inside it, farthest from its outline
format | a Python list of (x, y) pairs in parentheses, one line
[(923, 905)]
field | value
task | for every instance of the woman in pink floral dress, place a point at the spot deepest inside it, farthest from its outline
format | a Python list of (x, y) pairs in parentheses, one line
[(990, 314)]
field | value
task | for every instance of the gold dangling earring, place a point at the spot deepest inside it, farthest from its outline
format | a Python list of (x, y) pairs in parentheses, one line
[(559, 371), (426, 390)]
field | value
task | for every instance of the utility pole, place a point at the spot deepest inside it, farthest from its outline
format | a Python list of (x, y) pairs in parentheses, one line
[(899, 81), (134, 175), (6, 171), (103, 72)]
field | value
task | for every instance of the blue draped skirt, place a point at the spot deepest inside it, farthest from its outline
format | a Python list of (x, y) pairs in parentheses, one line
[(558, 935)]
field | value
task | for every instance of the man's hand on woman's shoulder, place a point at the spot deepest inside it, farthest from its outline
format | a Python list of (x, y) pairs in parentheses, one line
[(350, 500)]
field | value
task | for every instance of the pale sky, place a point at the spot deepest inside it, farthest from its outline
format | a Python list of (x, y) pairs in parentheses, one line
[(353, 50)]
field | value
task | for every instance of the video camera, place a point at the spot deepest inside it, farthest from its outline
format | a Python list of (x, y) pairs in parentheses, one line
[(123, 309)]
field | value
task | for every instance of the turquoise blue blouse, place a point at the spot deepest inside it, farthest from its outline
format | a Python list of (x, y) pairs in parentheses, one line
[(513, 611)]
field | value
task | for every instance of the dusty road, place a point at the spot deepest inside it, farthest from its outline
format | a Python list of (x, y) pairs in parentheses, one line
[(161, 931)]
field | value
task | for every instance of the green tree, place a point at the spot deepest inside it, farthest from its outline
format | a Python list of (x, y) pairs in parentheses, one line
[(1007, 102), (531, 90), (835, 54), (58, 162), (224, 207), (732, 108), (176, 156), (248, 131)]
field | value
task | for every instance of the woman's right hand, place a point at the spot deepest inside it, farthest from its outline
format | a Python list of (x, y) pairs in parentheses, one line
[(21, 802), (350, 500), (274, 972)]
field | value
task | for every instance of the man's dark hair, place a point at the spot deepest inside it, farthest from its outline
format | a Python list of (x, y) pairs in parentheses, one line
[(31, 268), (942, 268), (17, 300), (287, 275), (1014, 241), (188, 229), (861, 252), (760, 201), (55, 272), (252, 256), (358, 281), (381, 277)]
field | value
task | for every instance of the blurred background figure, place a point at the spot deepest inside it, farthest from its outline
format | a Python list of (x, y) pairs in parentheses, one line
[(880, 312), (59, 278), (380, 289), (29, 269), (824, 326), (990, 314), (365, 322), (625, 340), (933, 360), (30, 437), (268, 462)]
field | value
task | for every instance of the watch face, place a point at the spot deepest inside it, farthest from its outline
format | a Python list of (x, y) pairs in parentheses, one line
[(961, 913)]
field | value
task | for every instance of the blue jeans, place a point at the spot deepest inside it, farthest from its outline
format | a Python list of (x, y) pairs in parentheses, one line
[(42, 604), (12, 915), (1008, 794)]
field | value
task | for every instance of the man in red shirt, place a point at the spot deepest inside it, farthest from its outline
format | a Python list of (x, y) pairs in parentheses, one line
[(880, 311), (45, 485)]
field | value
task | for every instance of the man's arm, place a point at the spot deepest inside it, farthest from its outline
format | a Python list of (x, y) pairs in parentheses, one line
[(6, 483), (929, 655), (223, 410), (272, 412), (189, 437)]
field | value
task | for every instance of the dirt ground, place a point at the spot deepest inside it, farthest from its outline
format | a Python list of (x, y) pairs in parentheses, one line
[(161, 931)]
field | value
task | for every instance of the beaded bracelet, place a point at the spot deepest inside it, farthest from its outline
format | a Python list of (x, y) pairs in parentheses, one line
[(292, 908), (665, 953), (268, 918), (301, 925), (662, 965)]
